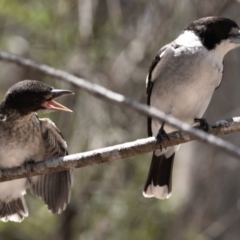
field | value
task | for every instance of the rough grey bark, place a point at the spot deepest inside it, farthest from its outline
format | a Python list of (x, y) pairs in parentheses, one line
[(116, 152)]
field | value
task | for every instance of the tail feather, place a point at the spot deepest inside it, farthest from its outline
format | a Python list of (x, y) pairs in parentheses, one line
[(159, 181), (15, 210)]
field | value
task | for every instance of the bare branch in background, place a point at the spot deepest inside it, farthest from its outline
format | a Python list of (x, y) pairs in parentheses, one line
[(114, 10), (86, 18), (135, 52), (110, 96), (116, 152)]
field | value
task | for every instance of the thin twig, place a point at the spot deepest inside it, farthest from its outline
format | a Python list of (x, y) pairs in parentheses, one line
[(108, 154), (119, 99)]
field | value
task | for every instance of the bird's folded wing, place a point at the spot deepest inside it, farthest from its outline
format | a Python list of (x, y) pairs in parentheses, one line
[(153, 74), (54, 188)]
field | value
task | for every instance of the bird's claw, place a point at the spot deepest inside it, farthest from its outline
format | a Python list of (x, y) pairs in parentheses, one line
[(28, 165), (203, 124), (161, 136)]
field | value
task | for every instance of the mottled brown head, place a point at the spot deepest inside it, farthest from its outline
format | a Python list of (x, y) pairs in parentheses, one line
[(30, 96)]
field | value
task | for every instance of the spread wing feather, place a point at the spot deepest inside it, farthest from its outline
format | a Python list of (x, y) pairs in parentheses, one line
[(54, 188)]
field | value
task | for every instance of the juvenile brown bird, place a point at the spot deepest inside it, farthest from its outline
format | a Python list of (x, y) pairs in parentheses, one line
[(24, 137)]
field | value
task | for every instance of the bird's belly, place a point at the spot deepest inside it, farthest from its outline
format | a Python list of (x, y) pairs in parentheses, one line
[(12, 189), (183, 109), (186, 95), (10, 157), (20, 142), (16, 147), (15, 153)]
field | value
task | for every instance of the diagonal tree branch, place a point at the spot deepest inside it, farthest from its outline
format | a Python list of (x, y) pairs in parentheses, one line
[(119, 99), (108, 154)]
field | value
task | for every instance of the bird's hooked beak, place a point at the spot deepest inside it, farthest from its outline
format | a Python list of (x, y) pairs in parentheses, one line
[(53, 105), (236, 38)]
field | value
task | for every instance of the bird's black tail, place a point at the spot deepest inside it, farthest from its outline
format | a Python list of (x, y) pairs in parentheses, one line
[(15, 210), (159, 181)]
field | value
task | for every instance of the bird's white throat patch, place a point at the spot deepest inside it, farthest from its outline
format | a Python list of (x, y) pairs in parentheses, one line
[(224, 47)]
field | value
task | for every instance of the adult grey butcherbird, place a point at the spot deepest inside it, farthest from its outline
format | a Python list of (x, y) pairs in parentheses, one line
[(25, 137), (181, 82)]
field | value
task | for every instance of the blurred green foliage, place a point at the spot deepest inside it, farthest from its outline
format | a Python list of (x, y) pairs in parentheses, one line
[(112, 43)]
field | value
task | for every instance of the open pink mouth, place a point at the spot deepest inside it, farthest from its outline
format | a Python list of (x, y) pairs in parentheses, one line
[(53, 105)]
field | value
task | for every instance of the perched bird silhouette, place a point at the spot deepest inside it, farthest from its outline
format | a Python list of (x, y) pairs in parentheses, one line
[(181, 82), (25, 137)]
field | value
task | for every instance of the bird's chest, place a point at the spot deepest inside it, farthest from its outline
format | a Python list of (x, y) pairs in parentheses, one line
[(19, 142), (199, 68)]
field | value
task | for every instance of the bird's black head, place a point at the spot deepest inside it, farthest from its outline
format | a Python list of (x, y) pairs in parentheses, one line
[(214, 30), (30, 96)]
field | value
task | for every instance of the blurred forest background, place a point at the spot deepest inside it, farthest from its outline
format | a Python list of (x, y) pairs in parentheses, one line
[(112, 43)]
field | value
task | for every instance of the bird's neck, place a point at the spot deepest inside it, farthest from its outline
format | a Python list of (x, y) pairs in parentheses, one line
[(9, 114)]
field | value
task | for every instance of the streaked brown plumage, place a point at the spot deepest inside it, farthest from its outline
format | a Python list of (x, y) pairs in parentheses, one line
[(24, 137)]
